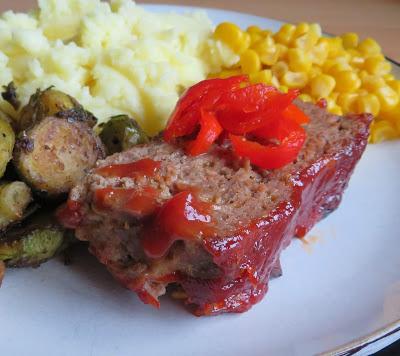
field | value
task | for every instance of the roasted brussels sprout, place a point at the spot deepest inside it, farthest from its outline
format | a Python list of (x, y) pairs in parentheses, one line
[(50, 102), (14, 199), (120, 133), (55, 154), (7, 140), (37, 240)]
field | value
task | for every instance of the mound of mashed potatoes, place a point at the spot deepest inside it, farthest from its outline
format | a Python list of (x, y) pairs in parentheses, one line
[(113, 57)]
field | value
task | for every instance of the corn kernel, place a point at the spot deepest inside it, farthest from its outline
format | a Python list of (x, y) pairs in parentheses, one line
[(388, 98), (306, 98), (275, 81), (253, 29), (245, 43), (226, 73), (330, 103), (369, 47), (395, 85), (305, 41), (389, 77), (347, 102), (339, 67), (319, 53), (255, 38), (301, 29), (367, 103), (335, 47), (269, 58), (285, 34), (263, 76), (279, 69), (282, 50), (314, 71), (250, 61), (322, 85), (350, 40), (230, 34), (393, 116), (298, 60), (315, 29), (371, 82), (283, 88), (347, 81), (295, 79), (375, 65), (382, 130), (336, 110)]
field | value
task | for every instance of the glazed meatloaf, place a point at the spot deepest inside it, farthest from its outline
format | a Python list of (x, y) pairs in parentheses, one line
[(211, 224)]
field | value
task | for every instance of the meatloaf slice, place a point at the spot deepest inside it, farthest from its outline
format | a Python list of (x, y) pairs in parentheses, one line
[(253, 213)]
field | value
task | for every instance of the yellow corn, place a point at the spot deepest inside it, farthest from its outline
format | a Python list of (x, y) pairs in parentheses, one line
[(275, 81), (230, 34), (314, 71), (250, 61), (393, 116), (285, 34), (350, 40), (301, 29), (279, 69), (388, 98), (226, 73), (336, 110), (352, 75), (375, 65), (295, 79), (254, 29), (383, 130), (319, 53), (369, 47), (306, 98), (299, 60), (389, 77), (395, 85), (347, 102), (282, 50), (322, 85), (371, 82), (263, 76), (347, 81), (283, 88), (367, 103)]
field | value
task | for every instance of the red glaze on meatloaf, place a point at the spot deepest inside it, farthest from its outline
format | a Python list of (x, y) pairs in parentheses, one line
[(211, 224)]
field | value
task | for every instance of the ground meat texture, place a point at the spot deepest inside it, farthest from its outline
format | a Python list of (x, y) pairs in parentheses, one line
[(255, 214)]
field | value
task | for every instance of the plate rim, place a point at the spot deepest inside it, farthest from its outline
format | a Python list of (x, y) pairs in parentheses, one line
[(359, 343)]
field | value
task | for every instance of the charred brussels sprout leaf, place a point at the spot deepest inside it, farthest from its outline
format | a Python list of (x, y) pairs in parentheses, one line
[(120, 133), (10, 95), (50, 102)]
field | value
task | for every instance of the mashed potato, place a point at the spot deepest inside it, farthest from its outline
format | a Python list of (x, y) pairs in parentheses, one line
[(112, 57)]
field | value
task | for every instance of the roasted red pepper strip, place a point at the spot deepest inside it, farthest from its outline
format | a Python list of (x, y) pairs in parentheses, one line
[(270, 156), (270, 104), (210, 129), (297, 115), (143, 167), (185, 117)]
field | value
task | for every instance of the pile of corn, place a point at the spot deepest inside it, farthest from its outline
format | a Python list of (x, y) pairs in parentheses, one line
[(352, 75)]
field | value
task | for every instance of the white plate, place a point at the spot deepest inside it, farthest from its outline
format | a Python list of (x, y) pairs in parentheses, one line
[(342, 288)]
